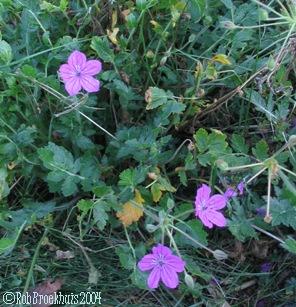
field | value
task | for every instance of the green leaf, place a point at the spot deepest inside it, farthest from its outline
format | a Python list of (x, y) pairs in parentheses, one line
[(64, 5), (126, 259), (240, 226), (69, 186), (288, 183), (139, 279), (201, 139), (5, 53), (6, 244), (156, 192), (197, 8), (100, 215), (131, 177), (64, 170), (85, 205), (29, 71), (239, 144), (261, 150), (4, 188), (194, 229), (260, 104), (283, 213), (228, 4), (102, 190), (101, 46), (155, 98), (217, 142), (290, 245)]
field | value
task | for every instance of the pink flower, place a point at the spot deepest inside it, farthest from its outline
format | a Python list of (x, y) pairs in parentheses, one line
[(78, 73), (163, 265), (229, 193), (241, 188), (206, 207)]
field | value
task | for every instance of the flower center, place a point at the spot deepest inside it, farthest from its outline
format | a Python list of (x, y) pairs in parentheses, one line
[(203, 205), (160, 261), (78, 70)]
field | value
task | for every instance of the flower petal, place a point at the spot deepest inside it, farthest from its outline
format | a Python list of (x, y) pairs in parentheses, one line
[(202, 194), (160, 249), (92, 67), (217, 202), (241, 188), (229, 193), (66, 72), (203, 217), (147, 263), (217, 218), (154, 278), (90, 84), (73, 86), (77, 58), (176, 263), (169, 277)]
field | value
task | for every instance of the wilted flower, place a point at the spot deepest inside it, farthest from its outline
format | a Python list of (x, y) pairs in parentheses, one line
[(206, 207), (78, 74), (163, 265)]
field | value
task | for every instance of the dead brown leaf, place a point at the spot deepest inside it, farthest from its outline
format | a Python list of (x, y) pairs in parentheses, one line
[(46, 288), (60, 255)]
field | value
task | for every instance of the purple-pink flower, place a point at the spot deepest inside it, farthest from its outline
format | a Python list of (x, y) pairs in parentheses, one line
[(163, 265), (241, 188), (265, 267), (229, 193), (207, 206), (78, 74), (232, 192)]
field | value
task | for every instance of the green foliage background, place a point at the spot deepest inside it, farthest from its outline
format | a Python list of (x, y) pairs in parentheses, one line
[(192, 91)]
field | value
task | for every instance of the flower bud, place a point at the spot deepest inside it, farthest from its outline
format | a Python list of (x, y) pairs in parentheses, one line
[(227, 24), (151, 228), (220, 255), (189, 281)]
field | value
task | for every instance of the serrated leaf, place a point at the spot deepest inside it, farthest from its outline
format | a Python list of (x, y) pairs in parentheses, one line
[(131, 177), (156, 192), (125, 257), (261, 150), (99, 214), (217, 141), (239, 144), (85, 205), (155, 97), (201, 139), (283, 213), (69, 186), (260, 103), (64, 176), (5, 52), (197, 8), (241, 228), (101, 46), (165, 185), (139, 279), (132, 210), (290, 245)]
